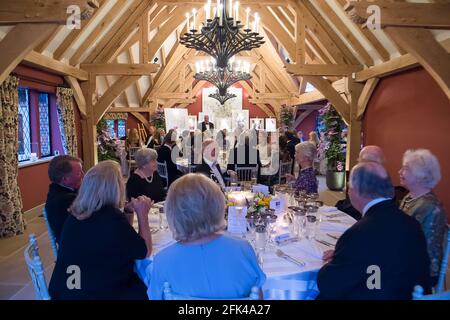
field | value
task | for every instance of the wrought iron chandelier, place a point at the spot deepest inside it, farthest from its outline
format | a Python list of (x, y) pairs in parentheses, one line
[(222, 78), (221, 37)]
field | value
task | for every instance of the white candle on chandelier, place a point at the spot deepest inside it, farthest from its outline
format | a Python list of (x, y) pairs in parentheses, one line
[(197, 67), (256, 22), (220, 14), (236, 12), (194, 12), (207, 9), (247, 11), (187, 21), (231, 9)]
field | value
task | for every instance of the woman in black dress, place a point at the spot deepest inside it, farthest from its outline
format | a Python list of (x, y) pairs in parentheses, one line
[(99, 246), (145, 180)]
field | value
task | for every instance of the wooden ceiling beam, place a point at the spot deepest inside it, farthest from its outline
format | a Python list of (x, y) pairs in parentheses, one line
[(78, 95), (121, 68), (322, 69)]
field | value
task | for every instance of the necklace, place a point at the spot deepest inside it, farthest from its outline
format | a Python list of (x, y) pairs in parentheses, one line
[(140, 173)]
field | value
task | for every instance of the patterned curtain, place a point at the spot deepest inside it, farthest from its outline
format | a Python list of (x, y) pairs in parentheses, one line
[(116, 116), (67, 119), (11, 219)]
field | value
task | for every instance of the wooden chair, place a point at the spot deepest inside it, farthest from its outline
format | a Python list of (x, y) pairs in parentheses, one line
[(162, 171), (285, 169), (245, 173), (50, 234), (418, 295), (444, 264), (36, 269), (169, 295)]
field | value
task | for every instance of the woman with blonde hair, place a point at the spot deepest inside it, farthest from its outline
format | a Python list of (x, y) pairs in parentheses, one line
[(420, 173), (314, 139), (100, 241), (215, 266)]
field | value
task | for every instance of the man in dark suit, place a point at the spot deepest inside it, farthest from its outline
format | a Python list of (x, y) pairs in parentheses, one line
[(165, 152), (65, 173), (206, 125), (209, 165), (382, 256)]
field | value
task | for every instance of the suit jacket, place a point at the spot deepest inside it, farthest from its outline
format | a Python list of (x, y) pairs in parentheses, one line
[(205, 169), (203, 126), (165, 155), (385, 237), (59, 199)]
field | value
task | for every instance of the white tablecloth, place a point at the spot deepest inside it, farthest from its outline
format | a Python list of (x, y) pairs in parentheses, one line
[(285, 280)]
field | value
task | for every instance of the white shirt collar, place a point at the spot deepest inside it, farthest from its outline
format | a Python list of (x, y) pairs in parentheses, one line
[(372, 203), (209, 162)]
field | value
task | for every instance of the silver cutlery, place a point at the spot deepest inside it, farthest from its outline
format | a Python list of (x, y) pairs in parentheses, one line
[(333, 220), (283, 255), (331, 236), (325, 243)]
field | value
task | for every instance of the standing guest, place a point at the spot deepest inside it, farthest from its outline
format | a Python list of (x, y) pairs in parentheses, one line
[(284, 152), (245, 154), (386, 249), (151, 142), (206, 125), (145, 180), (133, 139), (291, 143), (165, 155), (420, 174), (66, 174), (300, 136), (314, 139), (155, 140), (215, 266), (101, 242), (209, 166), (305, 153)]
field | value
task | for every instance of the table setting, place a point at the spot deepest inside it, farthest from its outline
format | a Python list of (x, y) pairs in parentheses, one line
[(289, 233)]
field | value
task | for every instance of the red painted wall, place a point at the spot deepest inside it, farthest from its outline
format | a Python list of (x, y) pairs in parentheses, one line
[(408, 111), (254, 110), (33, 183), (308, 124)]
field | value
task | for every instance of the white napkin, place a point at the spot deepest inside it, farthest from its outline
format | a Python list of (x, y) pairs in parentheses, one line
[(328, 209), (309, 247), (333, 226)]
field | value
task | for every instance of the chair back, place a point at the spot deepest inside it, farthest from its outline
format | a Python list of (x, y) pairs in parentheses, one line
[(418, 295), (285, 169), (162, 171), (245, 173), (50, 234), (444, 264), (292, 287), (36, 269), (192, 168), (169, 295)]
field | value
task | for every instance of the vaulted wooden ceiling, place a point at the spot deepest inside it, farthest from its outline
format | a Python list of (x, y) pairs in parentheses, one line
[(319, 36)]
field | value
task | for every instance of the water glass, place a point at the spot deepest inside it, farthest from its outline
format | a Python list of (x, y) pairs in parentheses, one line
[(311, 227), (299, 223)]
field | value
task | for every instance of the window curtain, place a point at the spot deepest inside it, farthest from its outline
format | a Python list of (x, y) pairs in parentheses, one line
[(11, 218), (67, 119)]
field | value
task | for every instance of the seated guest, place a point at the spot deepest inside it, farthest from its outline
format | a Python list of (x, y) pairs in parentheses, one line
[(245, 154), (165, 155), (305, 153), (145, 180), (99, 239), (368, 153), (66, 174), (210, 167), (385, 239), (420, 174), (214, 265)]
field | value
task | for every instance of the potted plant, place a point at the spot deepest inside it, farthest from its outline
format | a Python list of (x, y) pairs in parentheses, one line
[(157, 118), (332, 147), (286, 116)]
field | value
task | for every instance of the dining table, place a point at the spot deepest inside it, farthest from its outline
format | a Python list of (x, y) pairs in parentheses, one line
[(287, 279)]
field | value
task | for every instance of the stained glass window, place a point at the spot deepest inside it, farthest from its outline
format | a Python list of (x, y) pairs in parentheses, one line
[(24, 125), (121, 131), (110, 125), (44, 125)]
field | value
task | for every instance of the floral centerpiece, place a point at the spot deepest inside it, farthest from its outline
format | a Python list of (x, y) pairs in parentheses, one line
[(261, 202), (157, 118), (108, 148), (332, 147)]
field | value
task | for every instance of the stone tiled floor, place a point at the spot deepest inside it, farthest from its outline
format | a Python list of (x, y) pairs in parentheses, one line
[(15, 283)]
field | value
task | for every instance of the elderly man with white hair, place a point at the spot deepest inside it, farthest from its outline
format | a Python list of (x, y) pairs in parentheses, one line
[(209, 165), (382, 256), (420, 173)]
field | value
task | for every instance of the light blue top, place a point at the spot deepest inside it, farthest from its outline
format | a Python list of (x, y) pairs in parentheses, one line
[(224, 268)]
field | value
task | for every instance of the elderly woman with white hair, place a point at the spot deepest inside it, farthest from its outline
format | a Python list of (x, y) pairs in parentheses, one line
[(145, 180), (203, 263), (100, 241), (305, 153), (420, 173)]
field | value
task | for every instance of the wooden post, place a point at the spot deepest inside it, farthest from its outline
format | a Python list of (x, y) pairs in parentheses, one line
[(88, 125), (354, 126)]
